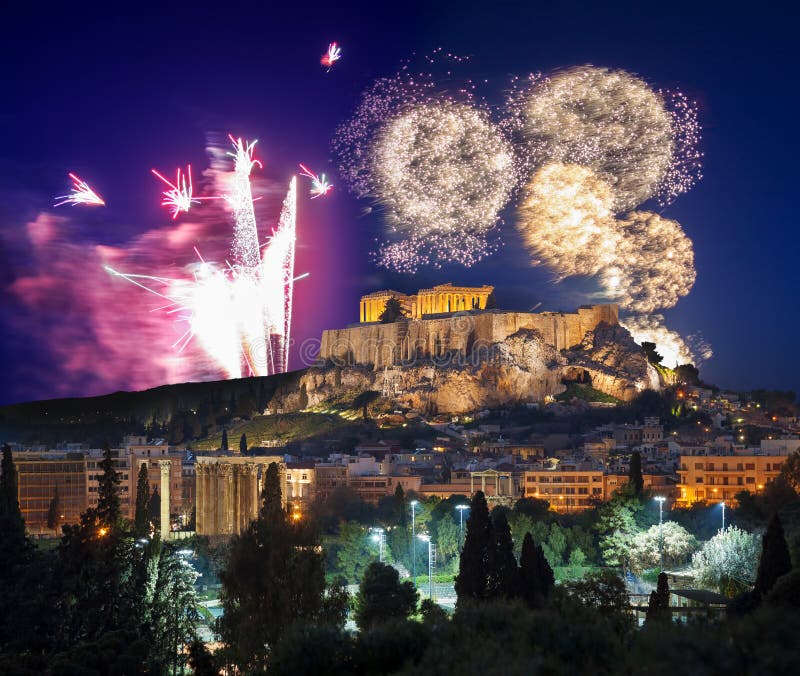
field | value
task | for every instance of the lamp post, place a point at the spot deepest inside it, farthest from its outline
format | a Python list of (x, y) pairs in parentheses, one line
[(426, 538), (379, 536), (723, 515), (413, 504), (660, 500), (461, 509)]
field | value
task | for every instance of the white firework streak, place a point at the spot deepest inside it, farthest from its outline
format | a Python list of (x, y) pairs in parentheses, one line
[(277, 271), (245, 248)]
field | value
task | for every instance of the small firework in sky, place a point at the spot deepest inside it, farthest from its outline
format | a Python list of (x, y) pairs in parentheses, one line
[(669, 344), (319, 184), (81, 194), (330, 57), (179, 196)]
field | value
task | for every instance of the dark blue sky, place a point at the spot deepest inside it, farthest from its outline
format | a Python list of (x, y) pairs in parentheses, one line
[(111, 93)]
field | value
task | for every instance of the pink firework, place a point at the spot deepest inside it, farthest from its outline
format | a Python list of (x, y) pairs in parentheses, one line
[(179, 196), (81, 194), (330, 57), (319, 184)]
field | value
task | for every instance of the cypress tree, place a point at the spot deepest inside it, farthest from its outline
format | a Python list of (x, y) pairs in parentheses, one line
[(271, 507), (658, 604), (470, 584), (400, 505), (243, 444), (10, 514), (536, 575), (154, 509), (53, 510), (635, 479), (775, 560), (224, 443), (108, 508), (502, 580), (141, 515)]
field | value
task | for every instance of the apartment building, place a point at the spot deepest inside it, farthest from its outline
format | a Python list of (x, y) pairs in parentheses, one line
[(714, 478)]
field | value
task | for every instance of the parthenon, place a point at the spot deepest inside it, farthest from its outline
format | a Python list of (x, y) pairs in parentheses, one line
[(440, 299)]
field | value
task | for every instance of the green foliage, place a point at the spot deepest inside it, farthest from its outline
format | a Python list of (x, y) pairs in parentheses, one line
[(471, 582), (446, 536), (650, 353), (392, 312), (349, 552), (687, 374), (785, 592), (775, 560), (109, 512), (605, 592), (272, 565), (243, 444), (658, 604), (617, 528), (635, 479), (727, 562), (364, 400), (54, 510), (502, 580), (141, 521), (382, 597), (645, 549), (585, 392), (536, 575)]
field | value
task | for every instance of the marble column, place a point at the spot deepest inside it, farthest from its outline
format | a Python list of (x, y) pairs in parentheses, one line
[(165, 466)]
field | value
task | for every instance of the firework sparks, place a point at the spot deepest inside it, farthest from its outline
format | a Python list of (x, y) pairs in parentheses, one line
[(330, 57), (654, 263), (81, 194), (319, 184), (245, 249), (179, 196), (669, 344), (240, 314), (642, 142), (565, 220), (433, 161)]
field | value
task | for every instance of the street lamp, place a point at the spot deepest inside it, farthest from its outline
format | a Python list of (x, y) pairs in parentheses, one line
[(413, 504), (461, 509), (427, 538), (660, 500), (723, 515), (380, 537)]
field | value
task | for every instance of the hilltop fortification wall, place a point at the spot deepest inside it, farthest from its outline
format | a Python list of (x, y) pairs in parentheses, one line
[(467, 334)]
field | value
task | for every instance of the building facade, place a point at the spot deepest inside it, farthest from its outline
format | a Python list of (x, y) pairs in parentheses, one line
[(441, 299), (714, 478)]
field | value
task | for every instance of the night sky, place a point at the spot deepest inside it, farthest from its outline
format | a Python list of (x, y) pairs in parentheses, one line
[(110, 95)]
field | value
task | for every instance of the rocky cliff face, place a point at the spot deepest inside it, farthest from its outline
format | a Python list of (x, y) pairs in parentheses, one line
[(522, 368)]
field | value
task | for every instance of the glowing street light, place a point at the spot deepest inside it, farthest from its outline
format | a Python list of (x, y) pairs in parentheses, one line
[(427, 538), (461, 509), (723, 515), (379, 536), (413, 504), (660, 500)]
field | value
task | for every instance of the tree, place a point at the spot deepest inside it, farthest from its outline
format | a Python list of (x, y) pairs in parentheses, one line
[(393, 311), (650, 352), (243, 444), (382, 597), (502, 572), (658, 604), (108, 508), (154, 509), (727, 561), (447, 537), (223, 445), (364, 400), (274, 564), (536, 575), (141, 517), (687, 374), (470, 584), (605, 592), (635, 478), (775, 561), (491, 301), (617, 528), (790, 471), (645, 549), (54, 511), (351, 552)]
